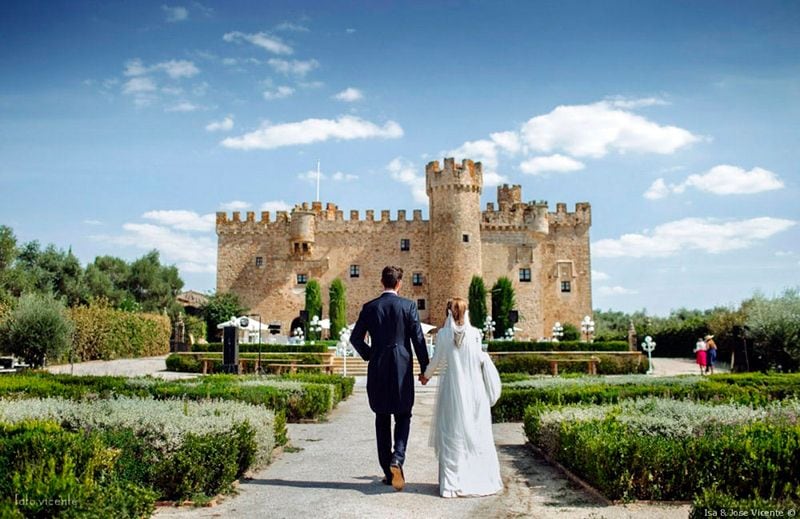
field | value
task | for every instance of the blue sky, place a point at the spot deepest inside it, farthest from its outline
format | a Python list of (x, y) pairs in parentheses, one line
[(125, 126)]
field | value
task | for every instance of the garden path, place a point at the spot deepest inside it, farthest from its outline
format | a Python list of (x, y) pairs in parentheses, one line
[(126, 367), (331, 471)]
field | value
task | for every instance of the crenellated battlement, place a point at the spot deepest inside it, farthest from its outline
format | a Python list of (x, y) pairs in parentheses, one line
[(512, 214), (465, 176)]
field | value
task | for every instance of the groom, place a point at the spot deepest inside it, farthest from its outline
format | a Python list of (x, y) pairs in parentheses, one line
[(393, 325)]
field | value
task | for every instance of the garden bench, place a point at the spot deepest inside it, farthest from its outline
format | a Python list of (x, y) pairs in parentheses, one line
[(291, 367), (593, 361)]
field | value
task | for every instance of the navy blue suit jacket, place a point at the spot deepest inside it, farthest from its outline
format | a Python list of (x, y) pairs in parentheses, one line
[(393, 326)]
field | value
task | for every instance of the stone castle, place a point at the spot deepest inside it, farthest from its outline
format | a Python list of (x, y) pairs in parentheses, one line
[(545, 254)]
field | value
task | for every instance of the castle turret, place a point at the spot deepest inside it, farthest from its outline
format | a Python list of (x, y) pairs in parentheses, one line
[(454, 194), (302, 231)]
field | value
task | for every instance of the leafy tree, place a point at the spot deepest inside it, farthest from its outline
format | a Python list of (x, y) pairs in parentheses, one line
[(338, 308), (774, 328), (571, 332), (107, 278), (153, 285), (51, 270), (502, 303), (313, 304), (37, 329), (219, 308), (477, 302)]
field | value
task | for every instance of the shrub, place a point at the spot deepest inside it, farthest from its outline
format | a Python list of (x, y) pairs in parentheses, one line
[(743, 389), (313, 304), (219, 308), (571, 332), (533, 364), (191, 363), (558, 346), (502, 303), (715, 502), (775, 331), (343, 384), (318, 347), (179, 448), (664, 449), (195, 327), (51, 472), (338, 307), (477, 302), (106, 333), (38, 329)]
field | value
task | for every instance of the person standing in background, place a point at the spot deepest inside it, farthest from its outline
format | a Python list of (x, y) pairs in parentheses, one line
[(700, 352), (711, 355)]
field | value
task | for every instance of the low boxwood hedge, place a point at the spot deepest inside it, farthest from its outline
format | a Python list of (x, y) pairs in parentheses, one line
[(51, 472), (746, 388), (715, 502), (662, 449), (216, 347), (191, 363), (557, 346), (534, 364)]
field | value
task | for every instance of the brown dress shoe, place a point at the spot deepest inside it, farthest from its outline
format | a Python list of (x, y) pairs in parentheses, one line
[(398, 479)]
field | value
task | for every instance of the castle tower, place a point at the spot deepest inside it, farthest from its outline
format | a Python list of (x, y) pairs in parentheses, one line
[(454, 194)]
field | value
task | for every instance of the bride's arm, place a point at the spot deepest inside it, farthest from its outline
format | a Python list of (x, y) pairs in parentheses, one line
[(438, 357)]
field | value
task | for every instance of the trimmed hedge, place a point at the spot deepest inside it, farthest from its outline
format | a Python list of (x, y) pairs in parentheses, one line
[(751, 388), (191, 363), (318, 347), (667, 450), (51, 472), (716, 503), (557, 346), (534, 364), (103, 333)]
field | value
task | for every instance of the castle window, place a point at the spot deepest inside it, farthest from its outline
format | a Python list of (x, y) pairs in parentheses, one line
[(416, 279), (525, 275), (420, 304), (405, 244), (566, 286), (465, 238), (355, 271), (259, 261), (302, 279)]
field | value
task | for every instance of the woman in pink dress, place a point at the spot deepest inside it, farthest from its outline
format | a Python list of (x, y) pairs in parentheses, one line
[(700, 350)]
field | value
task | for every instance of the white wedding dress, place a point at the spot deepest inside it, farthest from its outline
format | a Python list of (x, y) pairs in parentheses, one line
[(461, 431)]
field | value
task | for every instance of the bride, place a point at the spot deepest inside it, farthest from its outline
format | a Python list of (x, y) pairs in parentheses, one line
[(461, 431)]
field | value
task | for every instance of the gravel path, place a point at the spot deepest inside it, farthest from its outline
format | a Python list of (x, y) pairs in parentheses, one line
[(153, 366), (334, 473)]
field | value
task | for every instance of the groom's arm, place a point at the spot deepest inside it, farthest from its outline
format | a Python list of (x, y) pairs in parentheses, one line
[(358, 336), (414, 331)]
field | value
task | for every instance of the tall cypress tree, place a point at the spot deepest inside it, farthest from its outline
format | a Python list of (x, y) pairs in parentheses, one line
[(502, 303), (338, 308), (477, 302)]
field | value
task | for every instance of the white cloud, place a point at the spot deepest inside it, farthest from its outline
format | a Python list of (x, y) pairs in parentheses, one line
[(553, 163), (616, 291), (291, 27), (344, 177), (310, 84), (349, 95), (266, 41), (310, 176), (721, 180), (485, 152), (177, 69), (658, 189), (596, 129), (138, 85), (350, 30), (627, 103), (279, 93), (404, 171), (275, 205), (175, 14), (783, 253), (235, 205), (183, 106), (692, 234), (295, 67), (312, 130), (224, 125), (182, 220), (507, 141), (599, 276), (93, 222)]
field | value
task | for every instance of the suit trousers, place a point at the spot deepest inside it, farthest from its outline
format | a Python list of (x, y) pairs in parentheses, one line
[(383, 433)]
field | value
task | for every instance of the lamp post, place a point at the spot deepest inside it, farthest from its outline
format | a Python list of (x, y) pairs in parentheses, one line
[(649, 345), (488, 327), (587, 326), (315, 328), (259, 371), (558, 331)]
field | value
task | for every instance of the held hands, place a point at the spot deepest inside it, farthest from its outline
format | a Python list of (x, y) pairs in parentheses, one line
[(422, 379)]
